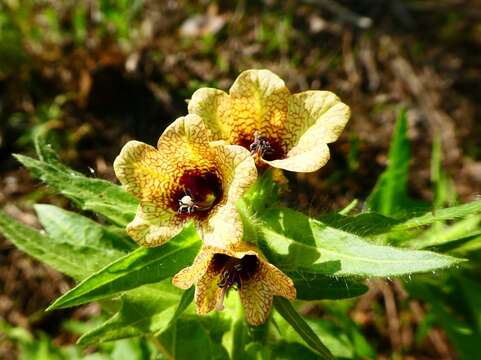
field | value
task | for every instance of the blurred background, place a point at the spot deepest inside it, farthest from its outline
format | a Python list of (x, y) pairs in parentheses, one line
[(95, 74)]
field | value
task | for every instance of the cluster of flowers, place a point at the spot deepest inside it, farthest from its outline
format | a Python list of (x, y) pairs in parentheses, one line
[(206, 161)]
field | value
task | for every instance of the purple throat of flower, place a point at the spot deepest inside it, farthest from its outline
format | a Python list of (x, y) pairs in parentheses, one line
[(233, 272), (263, 147), (198, 192)]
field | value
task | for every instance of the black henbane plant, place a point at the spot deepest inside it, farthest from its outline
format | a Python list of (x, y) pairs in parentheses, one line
[(204, 202)]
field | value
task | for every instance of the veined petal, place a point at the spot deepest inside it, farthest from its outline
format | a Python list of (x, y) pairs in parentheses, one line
[(283, 130), (217, 269), (315, 118), (185, 178), (257, 292), (317, 115), (238, 172), (257, 101), (308, 156), (153, 226), (187, 277), (192, 139), (139, 169), (208, 104), (208, 295)]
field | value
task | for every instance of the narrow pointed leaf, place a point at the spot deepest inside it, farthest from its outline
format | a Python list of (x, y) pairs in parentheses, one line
[(285, 308), (390, 191), (140, 267), (97, 195), (430, 217), (76, 260)]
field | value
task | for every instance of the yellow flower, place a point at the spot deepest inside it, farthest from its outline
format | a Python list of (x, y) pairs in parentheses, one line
[(286, 131), (215, 270), (185, 178)]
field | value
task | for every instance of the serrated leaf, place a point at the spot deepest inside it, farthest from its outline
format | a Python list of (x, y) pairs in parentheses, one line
[(311, 286), (73, 259), (285, 309), (140, 267), (146, 310), (295, 242), (97, 195)]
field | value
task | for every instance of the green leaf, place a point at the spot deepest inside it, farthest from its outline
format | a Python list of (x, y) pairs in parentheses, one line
[(472, 295), (69, 227), (185, 301), (340, 313), (450, 213), (463, 335), (312, 286), (196, 337), (97, 195), (472, 245), (140, 267), (285, 309), (390, 191), (295, 242), (444, 191), (371, 223), (76, 260), (263, 194), (445, 234), (145, 310), (283, 350), (333, 337), (366, 224)]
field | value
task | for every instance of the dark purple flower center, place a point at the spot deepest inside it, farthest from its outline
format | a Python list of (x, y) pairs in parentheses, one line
[(233, 271), (197, 193), (267, 148)]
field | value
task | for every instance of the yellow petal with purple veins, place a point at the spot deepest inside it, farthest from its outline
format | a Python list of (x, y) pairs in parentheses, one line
[(191, 275), (307, 157), (185, 178), (217, 270), (286, 131), (256, 293), (207, 103), (152, 226), (207, 293), (139, 168), (257, 102), (238, 172), (316, 118)]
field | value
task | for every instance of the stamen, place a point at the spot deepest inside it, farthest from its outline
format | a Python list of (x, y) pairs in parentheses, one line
[(233, 271), (260, 146), (188, 205)]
